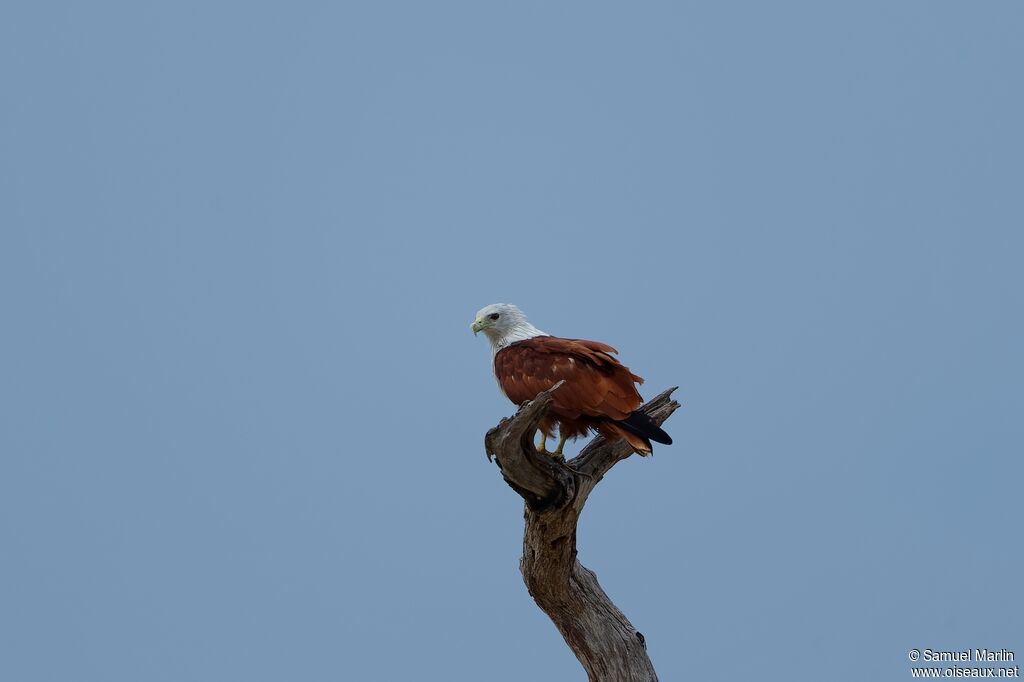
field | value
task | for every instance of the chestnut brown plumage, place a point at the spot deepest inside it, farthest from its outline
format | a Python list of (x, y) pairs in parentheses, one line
[(599, 393)]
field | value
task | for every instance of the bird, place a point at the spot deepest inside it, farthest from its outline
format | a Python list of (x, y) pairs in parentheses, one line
[(599, 393)]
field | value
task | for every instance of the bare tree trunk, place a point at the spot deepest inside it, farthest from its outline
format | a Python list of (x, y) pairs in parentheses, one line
[(608, 646)]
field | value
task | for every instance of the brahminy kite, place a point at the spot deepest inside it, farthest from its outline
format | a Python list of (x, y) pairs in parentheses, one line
[(598, 393)]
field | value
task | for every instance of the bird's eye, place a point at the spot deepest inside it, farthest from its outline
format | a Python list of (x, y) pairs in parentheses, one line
[(494, 316)]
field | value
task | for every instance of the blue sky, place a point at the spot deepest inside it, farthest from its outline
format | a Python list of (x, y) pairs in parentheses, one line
[(241, 245)]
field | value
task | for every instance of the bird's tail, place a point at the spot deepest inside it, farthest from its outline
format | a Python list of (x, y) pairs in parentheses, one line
[(639, 430)]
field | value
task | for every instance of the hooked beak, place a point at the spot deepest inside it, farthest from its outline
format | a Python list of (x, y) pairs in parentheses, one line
[(477, 326)]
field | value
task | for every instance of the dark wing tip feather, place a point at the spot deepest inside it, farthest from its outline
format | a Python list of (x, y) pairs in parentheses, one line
[(642, 425)]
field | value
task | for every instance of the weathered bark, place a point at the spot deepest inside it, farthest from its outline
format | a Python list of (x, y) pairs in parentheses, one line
[(604, 641)]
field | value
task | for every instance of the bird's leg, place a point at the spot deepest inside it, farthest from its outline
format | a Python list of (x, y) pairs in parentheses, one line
[(561, 444), (542, 448)]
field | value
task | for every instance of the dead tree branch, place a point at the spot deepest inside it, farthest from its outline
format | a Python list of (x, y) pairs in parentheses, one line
[(604, 641)]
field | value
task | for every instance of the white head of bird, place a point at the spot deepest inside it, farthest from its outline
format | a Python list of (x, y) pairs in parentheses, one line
[(502, 324)]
